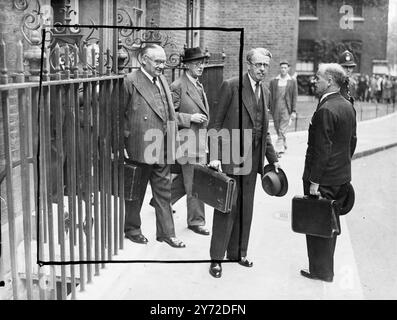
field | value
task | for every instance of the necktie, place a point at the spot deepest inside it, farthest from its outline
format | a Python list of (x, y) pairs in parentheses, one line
[(155, 82), (257, 92)]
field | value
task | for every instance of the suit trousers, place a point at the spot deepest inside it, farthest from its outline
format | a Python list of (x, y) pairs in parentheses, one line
[(281, 123), (183, 184), (160, 182), (231, 231), (321, 250)]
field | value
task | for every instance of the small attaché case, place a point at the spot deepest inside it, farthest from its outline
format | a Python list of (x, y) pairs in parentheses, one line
[(314, 216), (214, 188), (132, 181)]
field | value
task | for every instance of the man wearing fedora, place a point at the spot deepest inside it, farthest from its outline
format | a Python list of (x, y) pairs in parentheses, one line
[(149, 107), (348, 89), (192, 113), (327, 172), (283, 95), (230, 232)]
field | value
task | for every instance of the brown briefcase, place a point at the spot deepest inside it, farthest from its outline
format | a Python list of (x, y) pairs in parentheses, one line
[(214, 188), (315, 216)]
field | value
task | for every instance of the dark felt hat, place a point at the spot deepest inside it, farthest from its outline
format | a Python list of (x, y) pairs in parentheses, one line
[(274, 184), (348, 201), (193, 54), (347, 59)]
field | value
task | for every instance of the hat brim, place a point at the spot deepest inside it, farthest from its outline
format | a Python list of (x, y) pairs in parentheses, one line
[(348, 203), (349, 64), (194, 58), (282, 176)]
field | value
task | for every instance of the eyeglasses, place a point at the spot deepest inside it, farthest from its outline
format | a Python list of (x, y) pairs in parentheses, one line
[(200, 63), (157, 62), (259, 65)]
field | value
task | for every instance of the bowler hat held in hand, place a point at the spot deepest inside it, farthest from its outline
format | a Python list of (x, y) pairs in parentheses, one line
[(274, 183)]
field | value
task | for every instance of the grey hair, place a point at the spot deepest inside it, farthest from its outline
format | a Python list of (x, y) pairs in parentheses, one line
[(261, 51), (334, 70), (146, 48)]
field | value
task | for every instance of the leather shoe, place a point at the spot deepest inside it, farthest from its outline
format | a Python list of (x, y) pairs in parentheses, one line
[(216, 269), (138, 238), (314, 277), (245, 262), (200, 230), (172, 241)]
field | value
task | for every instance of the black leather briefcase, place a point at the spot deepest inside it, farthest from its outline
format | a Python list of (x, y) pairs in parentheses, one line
[(132, 181), (214, 188), (315, 216)]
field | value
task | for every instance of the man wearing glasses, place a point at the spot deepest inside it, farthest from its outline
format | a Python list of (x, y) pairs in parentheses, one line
[(149, 108), (228, 235), (192, 113)]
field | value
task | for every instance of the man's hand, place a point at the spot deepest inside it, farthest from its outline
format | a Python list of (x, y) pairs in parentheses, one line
[(198, 118), (293, 115), (276, 166), (314, 189), (216, 164)]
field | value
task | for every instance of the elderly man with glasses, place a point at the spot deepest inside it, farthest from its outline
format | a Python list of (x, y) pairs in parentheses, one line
[(149, 108), (230, 232)]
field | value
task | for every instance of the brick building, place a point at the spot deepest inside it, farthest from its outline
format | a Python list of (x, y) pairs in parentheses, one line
[(327, 28)]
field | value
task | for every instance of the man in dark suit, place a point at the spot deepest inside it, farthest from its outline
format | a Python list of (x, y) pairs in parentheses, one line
[(192, 113), (150, 114), (228, 235), (283, 95), (331, 144)]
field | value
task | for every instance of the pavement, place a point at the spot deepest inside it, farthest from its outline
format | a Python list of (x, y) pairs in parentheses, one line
[(277, 252)]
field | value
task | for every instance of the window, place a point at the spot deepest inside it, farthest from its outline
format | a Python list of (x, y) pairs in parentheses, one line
[(308, 8), (357, 6), (193, 36)]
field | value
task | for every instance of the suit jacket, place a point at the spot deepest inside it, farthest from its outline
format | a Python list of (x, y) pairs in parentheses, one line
[(142, 114), (226, 116), (332, 141), (187, 101), (291, 93)]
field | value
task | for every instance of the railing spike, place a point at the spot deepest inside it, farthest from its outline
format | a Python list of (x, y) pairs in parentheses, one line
[(57, 67), (20, 77), (3, 60)]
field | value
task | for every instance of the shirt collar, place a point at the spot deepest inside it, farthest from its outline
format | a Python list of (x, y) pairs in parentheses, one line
[(147, 75), (287, 77), (194, 81), (326, 95), (252, 81)]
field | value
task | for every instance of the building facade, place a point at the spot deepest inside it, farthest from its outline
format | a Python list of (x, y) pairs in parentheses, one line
[(327, 28)]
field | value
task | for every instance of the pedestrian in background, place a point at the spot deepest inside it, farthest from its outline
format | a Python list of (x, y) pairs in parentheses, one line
[(348, 89), (331, 145), (283, 95)]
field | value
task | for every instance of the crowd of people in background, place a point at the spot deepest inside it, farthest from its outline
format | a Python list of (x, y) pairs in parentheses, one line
[(375, 88)]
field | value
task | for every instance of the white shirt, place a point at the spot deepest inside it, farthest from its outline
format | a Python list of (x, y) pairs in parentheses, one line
[(326, 95), (151, 78), (282, 82), (193, 80), (253, 85)]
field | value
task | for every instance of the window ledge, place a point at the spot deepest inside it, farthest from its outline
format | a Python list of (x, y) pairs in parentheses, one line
[(308, 18)]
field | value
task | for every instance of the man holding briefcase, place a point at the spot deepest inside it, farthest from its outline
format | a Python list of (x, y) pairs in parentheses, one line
[(228, 235), (331, 145)]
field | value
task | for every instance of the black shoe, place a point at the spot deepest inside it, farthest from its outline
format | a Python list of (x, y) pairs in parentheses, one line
[(138, 238), (216, 269), (172, 241), (245, 262), (199, 229), (314, 277)]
